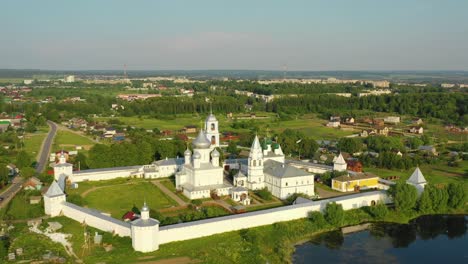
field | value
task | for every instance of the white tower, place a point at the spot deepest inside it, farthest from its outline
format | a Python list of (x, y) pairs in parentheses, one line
[(417, 180), (340, 164), (53, 199), (255, 176), (62, 167), (187, 156), (215, 158), (212, 130), (145, 232)]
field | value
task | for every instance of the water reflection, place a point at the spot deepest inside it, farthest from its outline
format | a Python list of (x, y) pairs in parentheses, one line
[(425, 237)]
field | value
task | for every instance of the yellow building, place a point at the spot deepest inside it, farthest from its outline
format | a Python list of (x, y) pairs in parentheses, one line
[(355, 182)]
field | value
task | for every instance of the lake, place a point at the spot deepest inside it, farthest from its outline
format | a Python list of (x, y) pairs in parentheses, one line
[(427, 239)]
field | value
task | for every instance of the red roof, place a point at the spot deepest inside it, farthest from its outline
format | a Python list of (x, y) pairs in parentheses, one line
[(129, 216)]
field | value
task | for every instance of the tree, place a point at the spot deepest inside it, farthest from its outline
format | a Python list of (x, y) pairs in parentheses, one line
[(232, 148), (457, 195), (318, 219), (404, 196), (425, 202), (23, 160), (308, 147), (28, 172), (439, 197), (350, 145), (334, 214), (264, 193)]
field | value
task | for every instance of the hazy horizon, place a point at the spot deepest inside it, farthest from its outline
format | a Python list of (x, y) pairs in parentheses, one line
[(311, 36)]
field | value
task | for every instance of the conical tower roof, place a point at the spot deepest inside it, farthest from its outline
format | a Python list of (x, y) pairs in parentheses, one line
[(340, 159), (256, 149), (417, 177), (54, 190)]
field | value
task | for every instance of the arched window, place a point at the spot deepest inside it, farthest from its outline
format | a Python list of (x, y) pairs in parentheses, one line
[(254, 163), (213, 127), (213, 140)]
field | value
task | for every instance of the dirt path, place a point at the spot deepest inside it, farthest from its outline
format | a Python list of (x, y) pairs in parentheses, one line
[(169, 193)]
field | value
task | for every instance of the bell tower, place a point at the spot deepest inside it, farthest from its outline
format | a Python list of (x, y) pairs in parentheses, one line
[(212, 130)]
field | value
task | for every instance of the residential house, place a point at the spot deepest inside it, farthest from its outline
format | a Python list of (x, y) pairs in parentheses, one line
[(416, 130), (189, 129), (35, 199), (428, 149), (354, 165), (392, 119), (349, 120), (417, 121), (334, 121), (378, 122), (33, 183), (383, 131)]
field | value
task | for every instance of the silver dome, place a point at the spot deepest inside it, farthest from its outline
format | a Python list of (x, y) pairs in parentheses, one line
[(211, 118), (215, 153), (201, 141), (187, 152), (197, 155)]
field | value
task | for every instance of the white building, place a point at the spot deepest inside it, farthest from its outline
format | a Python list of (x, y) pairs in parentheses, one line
[(70, 79), (417, 180), (201, 175), (266, 167)]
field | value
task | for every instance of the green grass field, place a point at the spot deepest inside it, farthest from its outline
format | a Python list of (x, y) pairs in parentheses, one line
[(118, 199), (19, 207), (33, 141), (434, 173), (310, 124), (67, 140)]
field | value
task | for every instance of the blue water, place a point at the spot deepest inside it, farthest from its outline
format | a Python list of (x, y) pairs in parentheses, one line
[(429, 239)]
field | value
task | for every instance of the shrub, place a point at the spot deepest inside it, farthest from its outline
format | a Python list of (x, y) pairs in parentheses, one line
[(379, 211), (457, 195), (264, 194), (197, 202), (404, 196), (334, 214), (318, 219)]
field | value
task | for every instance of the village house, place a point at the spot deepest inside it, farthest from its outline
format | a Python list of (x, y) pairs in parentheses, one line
[(417, 121), (392, 119), (349, 120), (416, 130), (334, 121), (354, 165), (189, 129), (378, 122), (33, 183), (429, 150)]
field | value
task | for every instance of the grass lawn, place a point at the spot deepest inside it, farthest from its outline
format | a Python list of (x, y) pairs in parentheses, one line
[(434, 173), (169, 184), (19, 207), (118, 199), (33, 141), (67, 140)]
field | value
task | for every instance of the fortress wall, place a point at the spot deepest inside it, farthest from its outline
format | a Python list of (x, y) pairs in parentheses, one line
[(102, 175), (96, 219), (207, 227)]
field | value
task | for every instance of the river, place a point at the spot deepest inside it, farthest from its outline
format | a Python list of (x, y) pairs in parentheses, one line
[(427, 239)]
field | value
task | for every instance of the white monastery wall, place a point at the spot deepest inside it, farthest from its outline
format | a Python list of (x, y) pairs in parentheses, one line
[(109, 174), (96, 219), (229, 223)]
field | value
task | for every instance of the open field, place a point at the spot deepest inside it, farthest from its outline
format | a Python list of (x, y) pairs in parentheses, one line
[(120, 198), (33, 141), (310, 124), (434, 173), (67, 140)]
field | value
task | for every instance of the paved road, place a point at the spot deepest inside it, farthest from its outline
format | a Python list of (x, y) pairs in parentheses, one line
[(45, 148), (9, 193)]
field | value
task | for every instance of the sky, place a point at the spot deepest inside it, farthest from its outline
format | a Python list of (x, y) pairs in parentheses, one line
[(313, 35)]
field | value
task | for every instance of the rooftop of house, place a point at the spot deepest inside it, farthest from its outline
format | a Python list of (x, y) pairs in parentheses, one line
[(355, 176)]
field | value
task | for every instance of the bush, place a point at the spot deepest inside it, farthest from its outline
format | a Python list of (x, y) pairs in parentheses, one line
[(318, 219), (404, 196), (334, 214), (379, 211), (197, 202), (264, 194)]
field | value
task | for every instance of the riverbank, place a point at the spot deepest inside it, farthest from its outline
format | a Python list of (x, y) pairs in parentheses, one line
[(393, 217)]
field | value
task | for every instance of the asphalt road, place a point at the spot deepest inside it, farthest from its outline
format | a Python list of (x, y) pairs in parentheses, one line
[(45, 150), (9, 193)]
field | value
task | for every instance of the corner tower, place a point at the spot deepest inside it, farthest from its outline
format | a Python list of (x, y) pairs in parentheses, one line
[(145, 232)]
